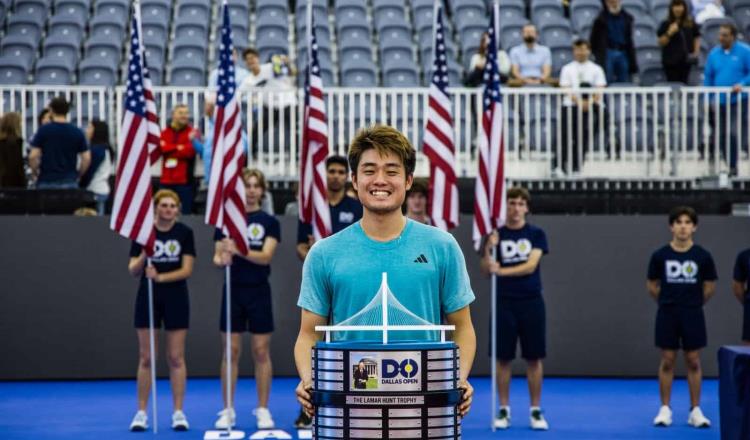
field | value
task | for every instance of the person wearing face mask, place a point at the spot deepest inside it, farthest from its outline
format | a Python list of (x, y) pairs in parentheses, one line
[(169, 268), (612, 42), (531, 63), (679, 37)]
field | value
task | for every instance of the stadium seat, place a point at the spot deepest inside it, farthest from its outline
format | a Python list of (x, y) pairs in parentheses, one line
[(351, 9), (471, 39), (65, 24), (356, 31), (271, 29), (651, 74), (156, 13), (108, 25), (470, 17), (512, 8), (358, 74), (355, 54), (52, 70), (29, 21), (21, 46), (542, 10), (102, 46), (39, 6), (73, 8), (112, 7), (280, 6), (187, 72), (189, 49), (560, 57), (191, 26), (556, 32), (400, 73), (643, 28), (648, 55), (637, 8), (155, 53), (13, 70), (397, 30), (194, 8), (95, 71), (511, 36), (272, 46), (155, 32), (582, 15), (388, 11), (62, 46), (396, 52)]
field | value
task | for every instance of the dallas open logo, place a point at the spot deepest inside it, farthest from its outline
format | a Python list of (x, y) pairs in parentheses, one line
[(681, 272), (406, 369), (515, 251), (168, 251)]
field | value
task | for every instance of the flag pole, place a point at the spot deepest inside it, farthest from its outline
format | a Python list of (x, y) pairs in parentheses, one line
[(227, 283), (152, 351), (493, 281)]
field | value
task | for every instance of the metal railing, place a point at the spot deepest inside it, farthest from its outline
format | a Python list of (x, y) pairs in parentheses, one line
[(657, 133)]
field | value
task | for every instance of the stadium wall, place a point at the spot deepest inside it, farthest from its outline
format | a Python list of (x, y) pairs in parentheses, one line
[(66, 299)]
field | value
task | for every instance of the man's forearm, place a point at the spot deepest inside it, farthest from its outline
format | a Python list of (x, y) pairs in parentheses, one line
[(466, 340), (302, 354)]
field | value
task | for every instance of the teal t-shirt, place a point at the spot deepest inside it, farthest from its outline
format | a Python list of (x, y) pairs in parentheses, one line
[(426, 274)]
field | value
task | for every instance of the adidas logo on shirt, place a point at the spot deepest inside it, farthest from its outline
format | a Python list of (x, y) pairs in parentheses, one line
[(421, 259)]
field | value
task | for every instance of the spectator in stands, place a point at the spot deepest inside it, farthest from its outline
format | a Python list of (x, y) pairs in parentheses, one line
[(177, 145), (240, 73), (531, 63), (705, 9), (580, 109), (416, 202), (680, 40), (12, 174), (475, 75), (45, 116), (277, 77), (728, 65), (612, 42), (97, 176), (56, 147)]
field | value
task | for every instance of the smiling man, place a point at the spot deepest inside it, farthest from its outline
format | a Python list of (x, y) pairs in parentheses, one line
[(425, 266)]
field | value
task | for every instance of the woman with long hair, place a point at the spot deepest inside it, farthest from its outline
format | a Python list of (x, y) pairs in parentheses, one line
[(679, 38), (169, 268), (97, 176), (11, 152)]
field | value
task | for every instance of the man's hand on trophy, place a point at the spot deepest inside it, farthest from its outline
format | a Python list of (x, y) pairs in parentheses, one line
[(466, 398), (304, 397)]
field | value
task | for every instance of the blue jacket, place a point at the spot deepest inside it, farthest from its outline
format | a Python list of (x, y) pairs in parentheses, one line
[(727, 68)]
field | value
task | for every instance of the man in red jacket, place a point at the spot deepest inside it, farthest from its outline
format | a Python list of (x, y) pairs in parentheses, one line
[(178, 156)]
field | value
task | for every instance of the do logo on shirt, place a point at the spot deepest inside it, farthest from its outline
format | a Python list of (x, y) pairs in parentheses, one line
[(681, 271), (166, 251), (515, 251), (256, 232), (346, 217)]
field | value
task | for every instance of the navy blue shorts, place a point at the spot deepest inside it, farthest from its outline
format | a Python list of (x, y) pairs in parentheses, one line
[(746, 321), (525, 320), (251, 309), (171, 308), (680, 327)]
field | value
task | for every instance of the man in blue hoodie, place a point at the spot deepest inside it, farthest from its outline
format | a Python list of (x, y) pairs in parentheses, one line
[(728, 65)]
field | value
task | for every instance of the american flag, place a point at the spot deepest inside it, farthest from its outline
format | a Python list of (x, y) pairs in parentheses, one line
[(226, 189), (438, 137), (489, 191), (132, 208), (313, 197)]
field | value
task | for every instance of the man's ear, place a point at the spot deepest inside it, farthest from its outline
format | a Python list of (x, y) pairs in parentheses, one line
[(354, 181), (409, 181)]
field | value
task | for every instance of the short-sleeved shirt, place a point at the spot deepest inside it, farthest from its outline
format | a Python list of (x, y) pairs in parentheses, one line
[(348, 211), (260, 226), (426, 275), (515, 248), (60, 143), (574, 74), (169, 248), (531, 61), (742, 269), (682, 274), (680, 45)]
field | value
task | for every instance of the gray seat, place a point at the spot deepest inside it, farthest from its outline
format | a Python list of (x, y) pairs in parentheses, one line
[(64, 24), (470, 17), (13, 70), (400, 73), (155, 32), (511, 37), (358, 74), (272, 46), (156, 13), (557, 34), (351, 9), (112, 7), (471, 39), (95, 71), (36, 8), (54, 71), (648, 55), (513, 9), (385, 11), (281, 6), (263, 32), (194, 8), (187, 72), (358, 54), (396, 53), (189, 49), (78, 9), (108, 25), (651, 74), (191, 26), (155, 53), (22, 46), (352, 31), (395, 31), (28, 22), (68, 47), (560, 57), (635, 7), (643, 30), (582, 15), (103, 47), (545, 9)]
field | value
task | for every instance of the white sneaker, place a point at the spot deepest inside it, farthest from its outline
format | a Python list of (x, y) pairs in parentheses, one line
[(536, 418), (227, 419), (140, 421), (697, 419), (502, 421), (179, 421), (263, 418), (664, 418)]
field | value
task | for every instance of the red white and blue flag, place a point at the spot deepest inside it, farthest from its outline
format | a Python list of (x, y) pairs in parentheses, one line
[(313, 193), (489, 190), (132, 207), (225, 207), (438, 142)]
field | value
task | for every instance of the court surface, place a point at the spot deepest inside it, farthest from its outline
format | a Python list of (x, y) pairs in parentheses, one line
[(575, 408)]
